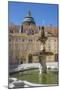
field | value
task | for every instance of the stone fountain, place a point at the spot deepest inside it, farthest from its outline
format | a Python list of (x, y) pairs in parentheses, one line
[(43, 53)]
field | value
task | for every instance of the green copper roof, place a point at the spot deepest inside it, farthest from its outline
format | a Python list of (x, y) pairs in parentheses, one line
[(29, 19)]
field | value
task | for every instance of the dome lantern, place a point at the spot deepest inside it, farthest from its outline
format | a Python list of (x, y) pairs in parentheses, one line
[(29, 13)]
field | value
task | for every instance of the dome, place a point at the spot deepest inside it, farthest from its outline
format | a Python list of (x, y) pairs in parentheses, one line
[(29, 19)]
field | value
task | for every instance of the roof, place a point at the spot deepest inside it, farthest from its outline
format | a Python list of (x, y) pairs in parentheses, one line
[(29, 19)]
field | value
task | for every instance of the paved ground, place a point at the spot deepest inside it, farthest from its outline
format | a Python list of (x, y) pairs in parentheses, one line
[(22, 84)]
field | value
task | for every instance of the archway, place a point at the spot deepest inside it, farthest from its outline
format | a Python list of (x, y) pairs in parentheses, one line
[(30, 58), (56, 57)]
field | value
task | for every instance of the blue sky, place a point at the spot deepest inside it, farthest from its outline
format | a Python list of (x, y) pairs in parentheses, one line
[(44, 14)]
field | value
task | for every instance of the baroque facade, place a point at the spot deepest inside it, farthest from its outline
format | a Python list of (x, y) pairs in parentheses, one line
[(23, 41)]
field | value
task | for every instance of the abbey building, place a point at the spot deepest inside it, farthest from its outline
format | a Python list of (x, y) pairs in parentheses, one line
[(23, 41)]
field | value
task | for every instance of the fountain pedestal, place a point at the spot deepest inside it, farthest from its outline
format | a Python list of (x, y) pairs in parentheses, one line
[(42, 61), (42, 57), (42, 54)]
